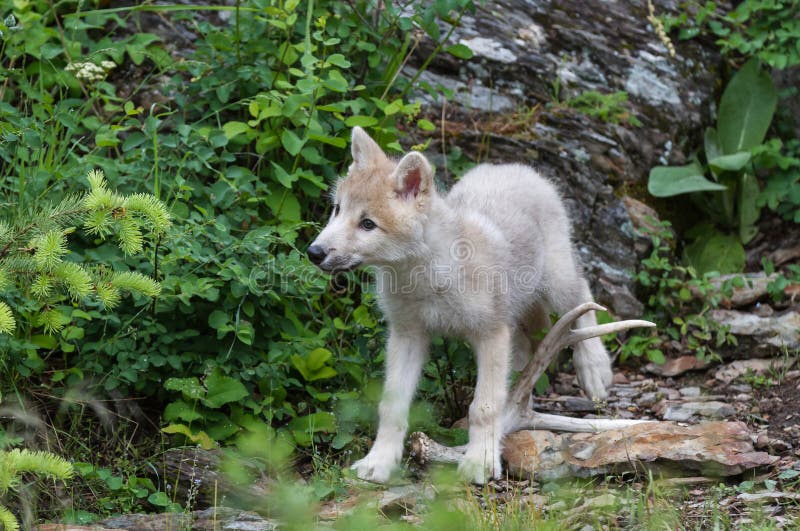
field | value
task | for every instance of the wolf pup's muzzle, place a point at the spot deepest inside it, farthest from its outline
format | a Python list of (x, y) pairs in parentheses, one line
[(316, 253)]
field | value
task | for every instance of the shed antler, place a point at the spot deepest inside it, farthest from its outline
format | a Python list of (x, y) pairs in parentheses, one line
[(520, 415)]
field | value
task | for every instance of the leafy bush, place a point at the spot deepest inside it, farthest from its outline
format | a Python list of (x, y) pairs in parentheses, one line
[(730, 197), (754, 32), (677, 300), (240, 139)]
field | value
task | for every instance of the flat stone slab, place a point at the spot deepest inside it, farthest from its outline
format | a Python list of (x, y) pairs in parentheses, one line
[(712, 449)]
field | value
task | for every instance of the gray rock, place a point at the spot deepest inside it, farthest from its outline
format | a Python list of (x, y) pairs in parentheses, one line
[(689, 392), (781, 331), (684, 411), (523, 50), (579, 404)]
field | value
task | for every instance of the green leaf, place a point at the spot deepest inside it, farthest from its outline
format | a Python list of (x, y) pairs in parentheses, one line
[(711, 144), (361, 121), (200, 437), (714, 251), (666, 181), (732, 162), (180, 410), (462, 51), (303, 427), (217, 319), (159, 499), (291, 142), (232, 129), (282, 176), (656, 356), (746, 109), (749, 211), (189, 387), (223, 390), (317, 358), (339, 60)]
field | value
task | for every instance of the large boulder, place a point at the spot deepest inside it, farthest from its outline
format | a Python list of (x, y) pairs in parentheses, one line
[(509, 104)]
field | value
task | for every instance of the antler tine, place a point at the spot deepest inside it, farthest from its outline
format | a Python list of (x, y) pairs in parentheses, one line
[(547, 350), (580, 334), (559, 337)]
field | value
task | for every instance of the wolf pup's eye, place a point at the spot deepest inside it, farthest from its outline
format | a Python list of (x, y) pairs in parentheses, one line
[(367, 224)]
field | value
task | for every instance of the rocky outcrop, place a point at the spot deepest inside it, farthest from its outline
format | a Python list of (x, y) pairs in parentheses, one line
[(510, 103)]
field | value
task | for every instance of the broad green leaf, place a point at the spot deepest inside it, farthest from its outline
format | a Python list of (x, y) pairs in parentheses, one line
[(223, 390), (714, 251), (317, 358), (180, 410), (283, 176), (331, 140), (749, 211), (232, 129), (711, 144), (217, 319), (200, 437), (361, 121), (462, 51), (291, 142), (733, 162), (159, 499), (304, 427), (189, 387), (746, 109), (666, 181), (339, 60), (284, 205)]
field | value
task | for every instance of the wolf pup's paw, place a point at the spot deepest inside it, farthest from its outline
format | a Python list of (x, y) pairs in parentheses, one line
[(374, 468), (477, 468), (594, 374)]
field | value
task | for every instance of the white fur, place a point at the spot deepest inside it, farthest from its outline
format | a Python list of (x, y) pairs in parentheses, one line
[(487, 262)]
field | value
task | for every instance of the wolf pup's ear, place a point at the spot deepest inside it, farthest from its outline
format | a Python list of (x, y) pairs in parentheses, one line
[(364, 149), (414, 176)]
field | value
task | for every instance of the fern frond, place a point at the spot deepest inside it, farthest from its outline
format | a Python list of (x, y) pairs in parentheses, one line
[(41, 463), (51, 320), (98, 223), (66, 212), (75, 278), (130, 235), (7, 322), (132, 281), (99, 197), (108, 295), (153, 211), (42, 286), (7, 520), (50, 249)]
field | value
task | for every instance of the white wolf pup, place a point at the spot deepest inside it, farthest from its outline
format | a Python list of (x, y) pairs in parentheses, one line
[(487, 262)]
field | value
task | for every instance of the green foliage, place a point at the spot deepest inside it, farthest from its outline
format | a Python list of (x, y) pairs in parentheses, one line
[(14, 463), (34, 248), (115, 493), (677, 300), (731, 194), (766, 29), (606, 107)]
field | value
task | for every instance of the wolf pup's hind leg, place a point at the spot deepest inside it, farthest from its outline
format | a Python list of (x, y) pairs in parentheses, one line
[(486, 413)]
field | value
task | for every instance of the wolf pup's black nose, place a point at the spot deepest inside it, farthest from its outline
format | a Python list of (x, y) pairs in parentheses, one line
[(316, 254)]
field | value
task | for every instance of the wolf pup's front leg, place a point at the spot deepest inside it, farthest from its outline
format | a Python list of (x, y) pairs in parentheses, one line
[(486, 428), (405, 353)]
